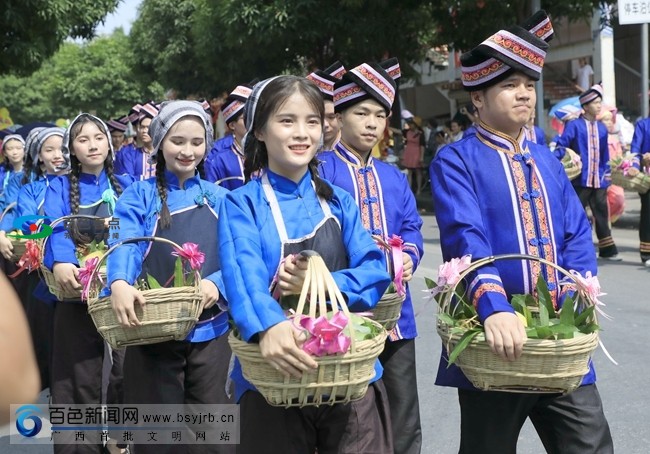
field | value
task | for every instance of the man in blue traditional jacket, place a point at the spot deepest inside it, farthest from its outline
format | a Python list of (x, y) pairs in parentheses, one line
[(497, 193), (588, 136), (362, 100)]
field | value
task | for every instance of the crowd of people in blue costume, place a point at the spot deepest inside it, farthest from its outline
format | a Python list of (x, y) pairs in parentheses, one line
[(296, 173)]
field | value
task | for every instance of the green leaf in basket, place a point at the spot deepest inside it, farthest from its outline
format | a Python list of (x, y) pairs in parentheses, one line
[(543, 315), (518, 302), (153, 283), (582, 317), (531, 301), (430, 283), (446, 318), (531, 333), (362, 329), (179, 277), (589, 328), (391, 288), (563, 331), (544, 296), (544, 332), (530, 320), (464, 341), (567, 316)]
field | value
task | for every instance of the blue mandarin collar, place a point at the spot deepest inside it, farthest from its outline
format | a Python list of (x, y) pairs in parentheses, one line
[(172, 181), (500, 141), (348, 154), (89, 178), (287, 186), (202, 195)]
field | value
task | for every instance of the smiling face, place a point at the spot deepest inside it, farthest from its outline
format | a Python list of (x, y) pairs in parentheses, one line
[(14, 151), (292, 136), (363, 125), (51, 155), (184, 147), (90, 146), (507, 105)]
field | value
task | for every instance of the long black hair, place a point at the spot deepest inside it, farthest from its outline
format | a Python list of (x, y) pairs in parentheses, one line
[(270, 100)]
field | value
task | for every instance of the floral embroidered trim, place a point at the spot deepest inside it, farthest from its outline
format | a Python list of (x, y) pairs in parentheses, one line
[(484, 288)]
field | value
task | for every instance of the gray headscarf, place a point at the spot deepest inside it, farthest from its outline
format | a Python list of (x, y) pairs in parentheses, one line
[(102, 125), (39, 141), (170, 113), (251, 107), (9, 137)]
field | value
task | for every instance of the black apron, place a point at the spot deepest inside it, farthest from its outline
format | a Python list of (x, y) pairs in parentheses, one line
[(326, 238), (159, 262), (90, 228)]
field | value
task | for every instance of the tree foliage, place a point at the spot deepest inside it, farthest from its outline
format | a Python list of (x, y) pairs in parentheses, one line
[(33, 30), (465, 23), (205, 46), (95, 76)]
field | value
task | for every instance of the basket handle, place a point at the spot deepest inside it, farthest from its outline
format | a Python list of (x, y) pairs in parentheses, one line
[(493, 258), (9, 207), (63, 219), (318, 285)]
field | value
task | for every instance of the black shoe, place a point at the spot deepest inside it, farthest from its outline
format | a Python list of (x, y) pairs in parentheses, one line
[(612, 258)]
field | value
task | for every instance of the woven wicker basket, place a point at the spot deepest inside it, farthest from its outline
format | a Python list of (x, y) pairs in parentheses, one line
[(338, 379), (545, 366), (639, 183), (389, 308), (168, 313), (20, 246), (572, 164), (48, 275)]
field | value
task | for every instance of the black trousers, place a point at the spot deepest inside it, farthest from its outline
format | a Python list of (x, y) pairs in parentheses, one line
[(77, 357), (596, 198), (175, 373), (400, 379), (644, 227), (362, 426), (567, 424)]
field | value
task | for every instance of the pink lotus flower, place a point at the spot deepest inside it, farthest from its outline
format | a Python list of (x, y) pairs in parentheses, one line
[(449, 273), (85, 274), (591, 286), (191, 253), (326, 336)]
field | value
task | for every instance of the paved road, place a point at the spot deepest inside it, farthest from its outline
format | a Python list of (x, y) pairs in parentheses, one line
[(623, 388)]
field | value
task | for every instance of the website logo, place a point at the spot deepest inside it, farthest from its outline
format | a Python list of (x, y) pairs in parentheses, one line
[(36, 225), (32, 413)]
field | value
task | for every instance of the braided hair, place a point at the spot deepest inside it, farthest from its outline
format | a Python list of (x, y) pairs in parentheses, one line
[(271, 98), (28, 168)]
